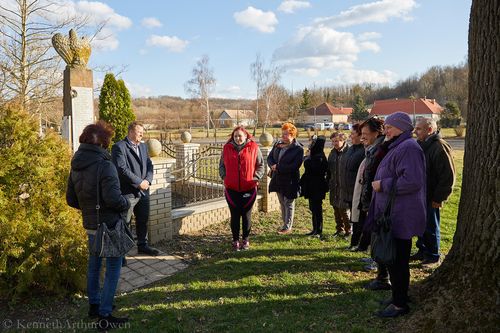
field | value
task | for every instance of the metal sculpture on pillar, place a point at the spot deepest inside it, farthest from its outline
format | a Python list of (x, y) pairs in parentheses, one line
[(78, 94)]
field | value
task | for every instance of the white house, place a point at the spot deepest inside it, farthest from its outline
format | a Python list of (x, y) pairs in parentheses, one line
[(232, 118), (326, 113)]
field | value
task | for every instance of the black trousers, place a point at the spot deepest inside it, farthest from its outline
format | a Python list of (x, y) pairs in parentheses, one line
[(399, 272), (240, 205), (364, 238), (316, 208), (357, 230)]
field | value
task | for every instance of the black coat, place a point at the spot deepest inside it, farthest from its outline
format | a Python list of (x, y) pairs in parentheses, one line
[(348, 169), (374, 155), (132, 169), (333, 177), (285, 179), (440, 168), (82, 187), (313, 184)]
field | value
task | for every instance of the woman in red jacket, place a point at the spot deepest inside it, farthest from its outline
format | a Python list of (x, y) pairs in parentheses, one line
[(241, 167)]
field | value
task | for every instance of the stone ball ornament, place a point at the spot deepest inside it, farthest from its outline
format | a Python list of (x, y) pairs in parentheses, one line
[(154, 147), (186, 137), (266, 139)]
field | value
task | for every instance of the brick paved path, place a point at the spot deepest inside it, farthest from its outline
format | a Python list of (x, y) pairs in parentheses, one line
[(142, 270)]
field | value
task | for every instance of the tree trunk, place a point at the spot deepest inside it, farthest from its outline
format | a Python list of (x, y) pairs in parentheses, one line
[(463, 294)]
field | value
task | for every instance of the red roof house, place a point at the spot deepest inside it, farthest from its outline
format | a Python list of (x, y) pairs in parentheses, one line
[(418, 108), (327, 113)]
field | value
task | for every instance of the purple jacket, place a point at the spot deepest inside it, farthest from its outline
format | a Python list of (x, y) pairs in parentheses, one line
[(404, 163)]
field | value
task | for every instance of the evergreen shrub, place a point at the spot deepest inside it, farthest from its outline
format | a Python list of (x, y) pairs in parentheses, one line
[(43, 244)]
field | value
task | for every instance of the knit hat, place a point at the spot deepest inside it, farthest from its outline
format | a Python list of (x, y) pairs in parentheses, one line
[(400, 120)]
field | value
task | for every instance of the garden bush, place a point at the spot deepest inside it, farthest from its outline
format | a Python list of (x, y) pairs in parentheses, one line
[(43, 245)]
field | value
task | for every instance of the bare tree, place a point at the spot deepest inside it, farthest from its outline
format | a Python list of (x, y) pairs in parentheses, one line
[(201, 85), (257, 74), (270, 89), (30, 68)]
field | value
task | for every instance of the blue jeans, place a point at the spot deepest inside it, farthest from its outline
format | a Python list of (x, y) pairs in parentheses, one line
[(428, 244), (94, 293)]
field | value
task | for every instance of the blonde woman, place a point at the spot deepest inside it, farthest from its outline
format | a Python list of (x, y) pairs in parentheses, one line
[(285, 160)]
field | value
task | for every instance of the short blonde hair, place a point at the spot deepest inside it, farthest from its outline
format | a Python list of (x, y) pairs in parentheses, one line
[(292, 130)]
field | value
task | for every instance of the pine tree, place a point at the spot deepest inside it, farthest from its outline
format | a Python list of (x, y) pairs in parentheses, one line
[(306, 99), (115, 106), (450, 117), (359, 111)]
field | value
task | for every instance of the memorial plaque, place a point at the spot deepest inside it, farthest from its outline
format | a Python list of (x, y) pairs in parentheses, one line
[(66, 128), (82, 109)]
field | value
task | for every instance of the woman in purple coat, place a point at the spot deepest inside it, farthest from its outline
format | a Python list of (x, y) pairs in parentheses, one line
[(403, 166)]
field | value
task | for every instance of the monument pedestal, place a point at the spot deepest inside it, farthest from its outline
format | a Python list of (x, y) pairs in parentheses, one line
[(78, 99)]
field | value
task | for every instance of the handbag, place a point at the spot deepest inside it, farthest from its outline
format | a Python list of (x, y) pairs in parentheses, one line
[(382, 247), (110, 242)]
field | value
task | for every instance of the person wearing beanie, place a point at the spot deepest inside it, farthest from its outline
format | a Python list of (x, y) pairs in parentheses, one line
[(400, 120), (402, 168)]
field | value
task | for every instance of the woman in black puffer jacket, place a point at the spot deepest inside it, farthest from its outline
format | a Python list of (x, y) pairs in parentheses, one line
[(92, 170), (313, 182)]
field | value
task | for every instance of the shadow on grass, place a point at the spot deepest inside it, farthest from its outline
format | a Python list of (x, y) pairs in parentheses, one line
[(297, 308)]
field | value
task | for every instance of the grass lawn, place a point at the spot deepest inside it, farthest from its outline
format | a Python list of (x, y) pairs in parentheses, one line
[(284, 283)]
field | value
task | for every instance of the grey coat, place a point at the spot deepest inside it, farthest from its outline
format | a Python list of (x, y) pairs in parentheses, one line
[(349, 165), (333, 177)]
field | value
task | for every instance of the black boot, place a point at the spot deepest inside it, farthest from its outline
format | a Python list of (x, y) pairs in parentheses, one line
[(109, 322), (94, 310), (146, 249)]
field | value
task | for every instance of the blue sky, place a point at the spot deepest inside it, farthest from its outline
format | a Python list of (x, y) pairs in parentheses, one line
[(320, 43)]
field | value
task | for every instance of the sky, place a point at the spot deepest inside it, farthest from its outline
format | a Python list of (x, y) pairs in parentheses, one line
[(318, 43)]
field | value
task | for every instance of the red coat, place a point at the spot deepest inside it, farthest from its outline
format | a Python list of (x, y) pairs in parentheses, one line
[(240, 166)]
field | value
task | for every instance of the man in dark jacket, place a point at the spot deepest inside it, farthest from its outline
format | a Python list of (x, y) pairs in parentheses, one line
[(440, 179), (135, 170)]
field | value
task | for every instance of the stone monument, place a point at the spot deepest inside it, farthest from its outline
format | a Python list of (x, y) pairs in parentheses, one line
[(78, 88)]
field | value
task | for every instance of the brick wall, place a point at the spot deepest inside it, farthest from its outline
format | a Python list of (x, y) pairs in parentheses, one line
[(160, 218), (165, 222)]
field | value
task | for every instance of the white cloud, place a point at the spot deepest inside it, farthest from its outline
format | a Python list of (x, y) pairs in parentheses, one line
[(100, 12), (369, 46), (256, 19), (151, 22), (289, 6), (94, 14), (105, 40), (311, 72), (378, 11), (173, 44), (351, 76), (369, 35), (318, 48), (138, 90)]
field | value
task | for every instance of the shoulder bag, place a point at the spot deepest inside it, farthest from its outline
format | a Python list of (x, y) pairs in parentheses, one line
[(110, 242), (382, 242)]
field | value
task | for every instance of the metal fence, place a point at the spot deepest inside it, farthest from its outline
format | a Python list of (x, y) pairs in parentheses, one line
[(167, 145), (199, 179)]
